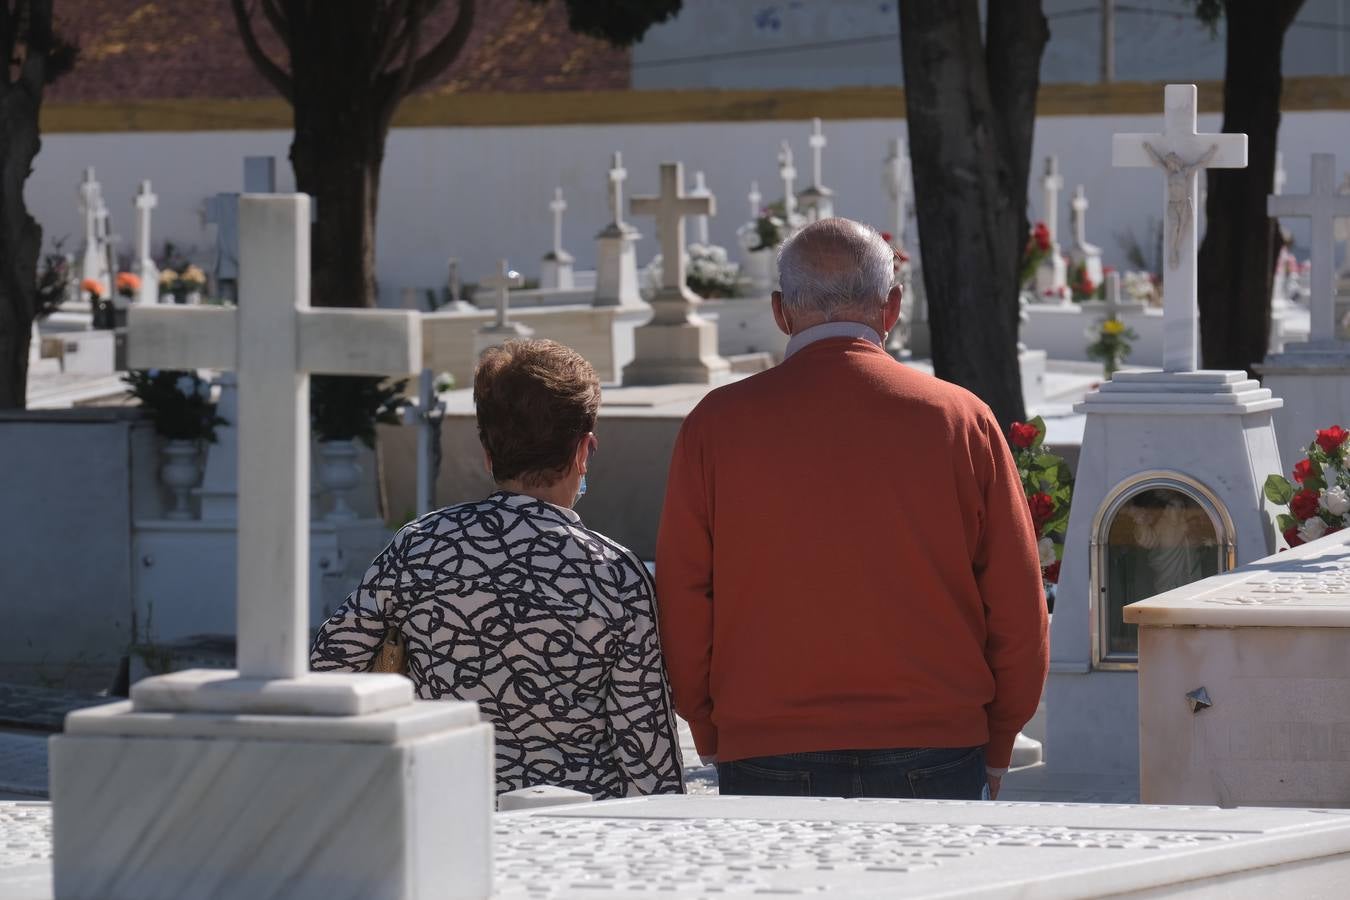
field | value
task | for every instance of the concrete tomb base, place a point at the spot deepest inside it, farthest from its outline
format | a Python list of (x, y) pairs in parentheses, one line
[(1266, 646), (679, 353), (1314, 380)]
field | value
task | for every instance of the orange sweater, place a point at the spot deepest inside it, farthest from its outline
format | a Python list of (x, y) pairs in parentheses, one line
[(846, 561)]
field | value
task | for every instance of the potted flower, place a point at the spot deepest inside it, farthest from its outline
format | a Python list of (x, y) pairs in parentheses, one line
[(1112, 345), (1034, 253), (759, 242), (184, 416), (344, 409), (1320, 504), (1047, 483), (1082, 286), (104, 317)]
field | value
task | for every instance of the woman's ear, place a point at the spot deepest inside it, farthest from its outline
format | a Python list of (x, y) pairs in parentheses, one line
[(487, 462), (585, 447)]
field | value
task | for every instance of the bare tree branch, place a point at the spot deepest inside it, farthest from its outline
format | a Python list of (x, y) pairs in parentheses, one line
[(274, 74), (394, 90), (280, 24), (438, 58), (395, 31)]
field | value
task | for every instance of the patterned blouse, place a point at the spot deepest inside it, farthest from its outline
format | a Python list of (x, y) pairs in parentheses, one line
[(550, 627)]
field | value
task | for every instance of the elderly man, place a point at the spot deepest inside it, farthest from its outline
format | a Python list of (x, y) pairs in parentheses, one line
[(847, 578)]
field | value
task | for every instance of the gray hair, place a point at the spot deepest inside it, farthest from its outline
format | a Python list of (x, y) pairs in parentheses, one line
[(837, 267)]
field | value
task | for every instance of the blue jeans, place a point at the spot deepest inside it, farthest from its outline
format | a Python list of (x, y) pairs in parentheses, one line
[(936, 774)]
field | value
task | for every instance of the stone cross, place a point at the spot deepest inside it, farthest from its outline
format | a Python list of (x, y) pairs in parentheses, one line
[(898, 181), (502, 282), (1280, 177), (1323, 204), (674, 300), (817, 142), (1051, 184), (1114, 304), (222, 210), (1343, 234), (426, 415), (452, 281), (617, 174), (788, 172), (1078, 208), (274, 341), (557, 206), (1181, 153), (146, 270), (700, 189), (756, 201)]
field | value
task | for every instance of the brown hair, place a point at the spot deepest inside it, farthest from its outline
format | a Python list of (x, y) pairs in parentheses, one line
[(535, 400)]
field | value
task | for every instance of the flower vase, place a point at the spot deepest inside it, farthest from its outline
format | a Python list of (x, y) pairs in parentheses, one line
[(338, 473), (181, 471)]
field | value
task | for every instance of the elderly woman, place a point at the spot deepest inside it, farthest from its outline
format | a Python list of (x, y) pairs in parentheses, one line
[(513, 603)]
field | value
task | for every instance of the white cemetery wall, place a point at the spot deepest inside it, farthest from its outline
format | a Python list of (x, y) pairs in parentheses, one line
[(474, 192), (65, 544), (448, 338), (1061, 331)]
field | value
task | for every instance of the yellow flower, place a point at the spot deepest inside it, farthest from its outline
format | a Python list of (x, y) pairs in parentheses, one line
[(167, 276), (194, 274), (1113, 327)]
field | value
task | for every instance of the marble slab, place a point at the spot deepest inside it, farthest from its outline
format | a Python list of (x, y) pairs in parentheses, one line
[(1307, 587), (311, 694)]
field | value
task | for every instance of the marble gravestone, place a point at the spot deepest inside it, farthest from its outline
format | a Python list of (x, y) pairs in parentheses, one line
[(145, 267), (677, 346), (271, 780), (1313, 375), (616, 274), (1169, 484), (94, 248), (700, 191), (1084, 254), (759, 264), (1052, 281), (816, 201), (1244, 684), (700, 846), (502, 329), (222, 210), (555, 272)]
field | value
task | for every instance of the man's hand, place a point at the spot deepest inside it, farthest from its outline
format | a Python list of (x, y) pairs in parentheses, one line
[(995, 782)]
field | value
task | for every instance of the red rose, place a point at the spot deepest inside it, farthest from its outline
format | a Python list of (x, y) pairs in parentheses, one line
[(1304, 505), (1050, 574), (1042, 507), (1302, 470), (1023, 435), (1291, 536), (1041, 235), (1331, 438), (886, 236)]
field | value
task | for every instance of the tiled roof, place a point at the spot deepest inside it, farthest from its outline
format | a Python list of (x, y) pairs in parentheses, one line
[(176, 49)]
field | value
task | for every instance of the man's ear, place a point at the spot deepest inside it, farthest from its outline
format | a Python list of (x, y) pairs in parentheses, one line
[(779, 314), (891, 311)]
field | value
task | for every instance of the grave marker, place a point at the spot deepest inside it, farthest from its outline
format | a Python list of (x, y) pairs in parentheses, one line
[(616, 277), (817, 201), (1323, 205), (897, 179), (1181, 153), (700, 189), (556, 270), (146, 269)]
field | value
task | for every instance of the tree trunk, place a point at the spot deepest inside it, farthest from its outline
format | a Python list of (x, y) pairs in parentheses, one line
[(970, 117), (1236, 257), (20, 234), (340, 169)]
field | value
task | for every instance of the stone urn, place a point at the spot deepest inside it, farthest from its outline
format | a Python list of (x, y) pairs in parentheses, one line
[(338, 473), (180, 472)]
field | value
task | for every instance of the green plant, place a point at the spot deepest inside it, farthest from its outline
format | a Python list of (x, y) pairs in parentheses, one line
[(1047, 482), (179, 403), (770, 227), (347, 407), (54, 278), (1112, 345)]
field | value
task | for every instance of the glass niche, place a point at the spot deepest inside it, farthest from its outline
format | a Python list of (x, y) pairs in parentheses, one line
[(1156, 532)]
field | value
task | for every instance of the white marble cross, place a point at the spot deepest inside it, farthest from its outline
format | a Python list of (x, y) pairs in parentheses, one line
[(1280, 177), (817, 141), (898, 181), (557, 206), (617, 174), (669, 209), (1343, 234), (1078, 208), (1051, 184), (273, 341), (788, 172), (756, 201), (94, 258), (146, 270), (1181, 153), (1323, 204), (700, 189), (502, 282)]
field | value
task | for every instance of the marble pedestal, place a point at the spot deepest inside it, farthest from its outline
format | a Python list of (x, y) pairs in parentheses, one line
[(676, 346), (204, 785), (1052, 279), (616, 274), (1032, 364), (555, 272), (1314, 380), (1267, 644), (1209, 429)]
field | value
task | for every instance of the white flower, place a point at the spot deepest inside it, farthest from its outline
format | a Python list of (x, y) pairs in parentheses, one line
[(186, 385), (1336, 500), (1046, 548), (1312, 529)]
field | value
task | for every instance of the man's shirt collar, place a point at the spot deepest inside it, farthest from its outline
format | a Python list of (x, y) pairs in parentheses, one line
[(827, 330)]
